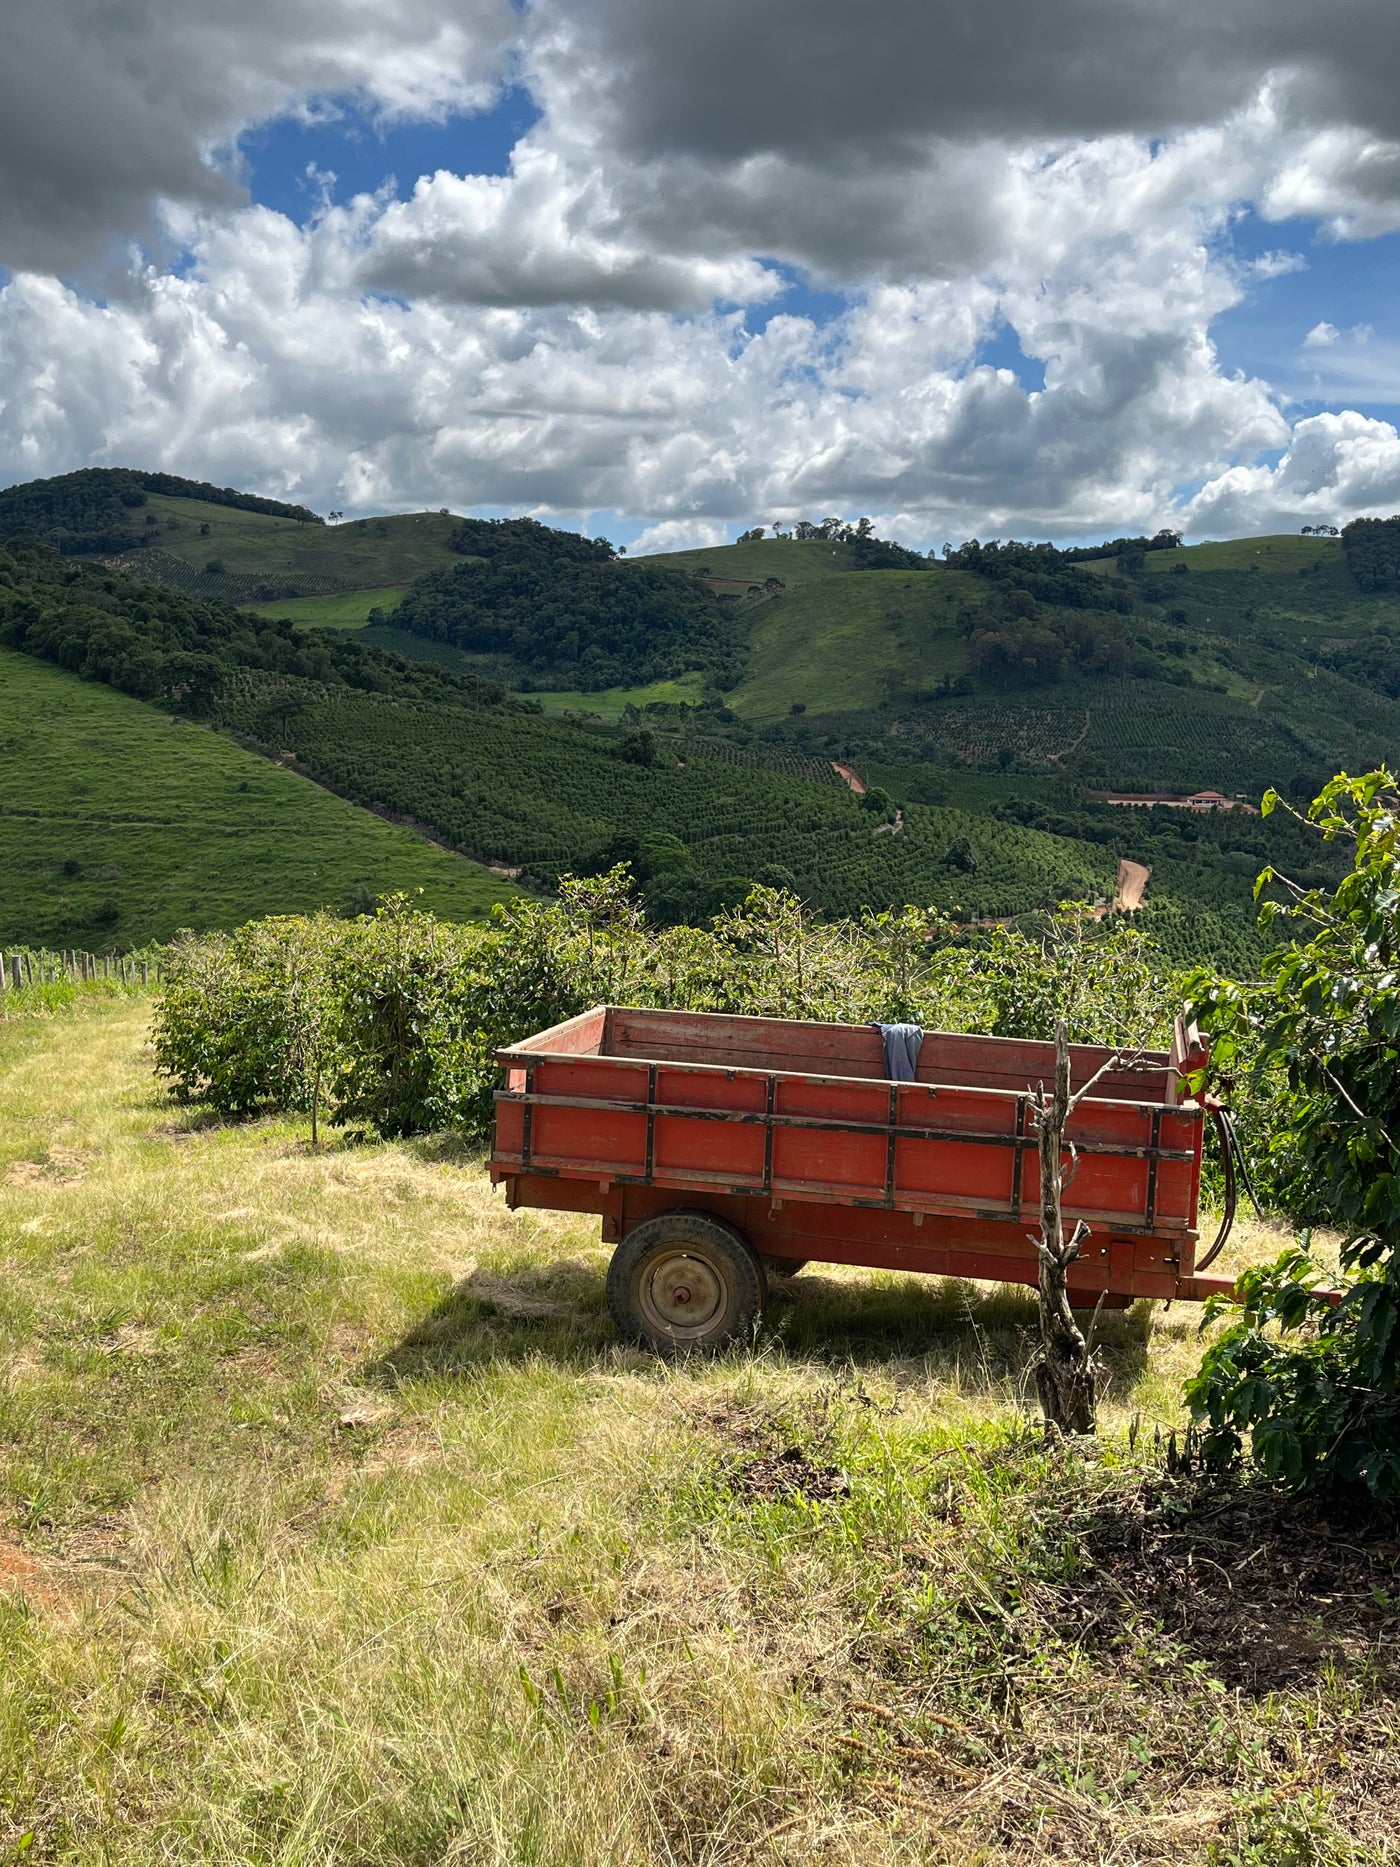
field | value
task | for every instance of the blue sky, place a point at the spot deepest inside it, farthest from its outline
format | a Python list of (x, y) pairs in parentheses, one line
[(340, 138), (1350, 284)]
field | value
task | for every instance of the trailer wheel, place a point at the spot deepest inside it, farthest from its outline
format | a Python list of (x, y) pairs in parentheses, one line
[(782, 1267), (685, 1280)]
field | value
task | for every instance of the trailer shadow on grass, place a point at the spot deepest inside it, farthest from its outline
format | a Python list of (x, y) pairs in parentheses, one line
[(983, 1339)]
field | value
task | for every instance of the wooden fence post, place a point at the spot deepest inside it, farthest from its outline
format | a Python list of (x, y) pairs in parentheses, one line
[(144, 972), (16, 971)]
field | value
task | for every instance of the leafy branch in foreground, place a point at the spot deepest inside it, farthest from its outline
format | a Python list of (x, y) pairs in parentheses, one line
[(1313, 1382)]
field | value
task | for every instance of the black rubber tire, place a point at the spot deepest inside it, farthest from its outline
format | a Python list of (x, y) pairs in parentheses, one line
[(782, 1267), (685, 1282)]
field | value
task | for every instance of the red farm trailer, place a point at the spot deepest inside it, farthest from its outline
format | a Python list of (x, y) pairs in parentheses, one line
[(721, 1149)]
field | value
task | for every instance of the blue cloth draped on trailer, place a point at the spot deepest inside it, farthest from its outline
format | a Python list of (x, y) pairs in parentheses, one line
[(903, 1042)]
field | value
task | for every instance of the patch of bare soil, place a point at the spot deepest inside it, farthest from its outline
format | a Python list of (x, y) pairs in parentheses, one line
[(1261, 1586), (21, 1573), (60, 1166), (1133, 878), (850, 777)]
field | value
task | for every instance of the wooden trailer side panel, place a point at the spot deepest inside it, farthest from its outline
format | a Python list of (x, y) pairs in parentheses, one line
[(841, 1165)]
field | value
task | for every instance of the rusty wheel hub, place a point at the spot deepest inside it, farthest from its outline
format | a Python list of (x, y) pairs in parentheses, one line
[(682, 1292)]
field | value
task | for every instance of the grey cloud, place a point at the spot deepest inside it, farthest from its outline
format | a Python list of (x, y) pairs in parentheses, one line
[(108, 105), (729, 79), (878, 141)]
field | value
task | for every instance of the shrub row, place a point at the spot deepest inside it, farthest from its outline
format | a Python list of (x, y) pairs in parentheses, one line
[(390, 1022)]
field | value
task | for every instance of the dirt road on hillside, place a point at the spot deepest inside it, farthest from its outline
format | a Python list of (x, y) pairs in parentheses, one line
[(1132, 885)]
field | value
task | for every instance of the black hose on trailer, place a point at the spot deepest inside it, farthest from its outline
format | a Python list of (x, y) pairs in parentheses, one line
[(1236, 1173)]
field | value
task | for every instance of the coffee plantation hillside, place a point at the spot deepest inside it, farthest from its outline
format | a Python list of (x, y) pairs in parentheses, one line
[(698, 818), (120, 825)]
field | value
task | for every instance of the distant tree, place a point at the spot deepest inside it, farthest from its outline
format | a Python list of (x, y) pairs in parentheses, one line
[(638, 748), (360, 901), (214, 567), (1372, 548), (659, 852)]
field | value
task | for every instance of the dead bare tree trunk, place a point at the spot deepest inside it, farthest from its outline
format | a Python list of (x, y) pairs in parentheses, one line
[(1065, 1374)]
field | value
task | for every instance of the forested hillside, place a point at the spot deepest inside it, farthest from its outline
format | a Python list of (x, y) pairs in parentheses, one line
[(152, 642), (1143, 667), (558, 610), (104, 508)]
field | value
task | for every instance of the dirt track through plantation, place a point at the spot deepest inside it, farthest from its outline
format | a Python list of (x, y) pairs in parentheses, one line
[(1132, 885)]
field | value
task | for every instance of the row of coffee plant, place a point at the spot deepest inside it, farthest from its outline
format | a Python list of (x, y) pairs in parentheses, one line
[(389, 1023)]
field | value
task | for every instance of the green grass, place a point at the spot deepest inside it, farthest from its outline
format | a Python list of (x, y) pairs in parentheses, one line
[(1273, 551), (369, 554), (1276, 551), (687, 689), (336, 1526), (735, 567), (839, 644), (958, 788), (118, 826), (348, 611)]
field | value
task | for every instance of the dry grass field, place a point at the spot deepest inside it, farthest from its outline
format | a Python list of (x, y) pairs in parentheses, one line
[(335, 1527)]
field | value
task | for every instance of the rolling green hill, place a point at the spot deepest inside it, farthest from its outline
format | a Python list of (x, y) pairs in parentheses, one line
[(988, 696), (736, 567), (263, 559), (119, 825), (700, 816), (349, 610), (837, 644)]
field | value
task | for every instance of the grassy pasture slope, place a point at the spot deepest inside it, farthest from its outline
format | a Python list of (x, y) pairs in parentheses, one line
[(349, 610), (831, 640), (104, 800), (382, 554), (336, 1526), (735, 565), (847, 642), (688, 689)]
